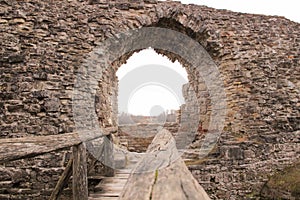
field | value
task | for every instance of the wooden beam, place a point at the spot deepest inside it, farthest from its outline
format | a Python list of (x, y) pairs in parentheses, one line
[(108, 156), (80, 182), (26, 147), (63, 181), (162, 174)]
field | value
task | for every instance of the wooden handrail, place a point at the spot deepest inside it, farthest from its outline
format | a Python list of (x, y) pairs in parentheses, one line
[(18, 148), (157, 176), (25, 147), (162, 174)]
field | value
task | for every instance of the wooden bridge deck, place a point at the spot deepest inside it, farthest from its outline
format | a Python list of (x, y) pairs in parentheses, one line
[(159, 174), (110, 188)]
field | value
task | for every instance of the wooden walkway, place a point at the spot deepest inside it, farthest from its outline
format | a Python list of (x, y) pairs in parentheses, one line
[(110, 188), (158, 174), (161, 174)]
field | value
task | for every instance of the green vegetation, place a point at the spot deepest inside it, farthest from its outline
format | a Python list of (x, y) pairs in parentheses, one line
[(156, 176), (155, 179), (195, 162), (285, 181)]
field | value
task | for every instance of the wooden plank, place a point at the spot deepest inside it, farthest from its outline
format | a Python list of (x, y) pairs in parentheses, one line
[(99, 197), (18, 148), (110, 193), (96, 177), (107, 185), (124, 171), (111, 187), (160, 153), (63, 181), (111, 180), (108, 156), (121, 176), (162, 174), (177, 177), (80, 183), (26, 147), (139, 186)]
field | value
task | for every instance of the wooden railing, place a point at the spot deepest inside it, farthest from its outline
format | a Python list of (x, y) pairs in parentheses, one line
[(19, 148), (161, 174)]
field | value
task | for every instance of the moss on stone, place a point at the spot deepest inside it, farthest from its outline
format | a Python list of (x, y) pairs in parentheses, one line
[(195, 162), (284, 184)]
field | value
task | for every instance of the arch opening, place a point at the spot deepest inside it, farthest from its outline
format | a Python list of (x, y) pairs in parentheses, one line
[(194, 58), (149, 98), (150, 86)]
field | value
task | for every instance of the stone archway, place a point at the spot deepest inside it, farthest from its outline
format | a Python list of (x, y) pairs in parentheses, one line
[(258, 57), (197, 79), (199, 63)]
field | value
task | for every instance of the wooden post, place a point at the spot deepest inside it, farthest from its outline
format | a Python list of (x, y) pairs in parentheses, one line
[(63, 181), (108, 156), (80, 183)]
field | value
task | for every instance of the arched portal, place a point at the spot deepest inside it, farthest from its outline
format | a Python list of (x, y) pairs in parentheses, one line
[(205, 81), (150, 97)]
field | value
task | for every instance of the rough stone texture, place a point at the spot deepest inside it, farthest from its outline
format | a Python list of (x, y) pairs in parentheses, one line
[(284, 184), (138, 137), (44, 43)]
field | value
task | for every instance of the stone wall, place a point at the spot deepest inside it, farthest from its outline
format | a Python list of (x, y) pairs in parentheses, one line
[(137, 137), (44, 44)]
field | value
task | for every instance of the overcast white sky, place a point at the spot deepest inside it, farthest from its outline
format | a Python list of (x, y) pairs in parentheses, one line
[(147, 97), (288, 8)]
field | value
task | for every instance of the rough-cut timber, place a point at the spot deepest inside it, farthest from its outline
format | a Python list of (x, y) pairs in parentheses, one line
[(108, 156), (44, 43), (110, 188), (26, 147), (79, 181), (162, 174), (63, 181)]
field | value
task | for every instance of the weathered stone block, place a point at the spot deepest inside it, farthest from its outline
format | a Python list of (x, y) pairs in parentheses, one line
[(52, 105)]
